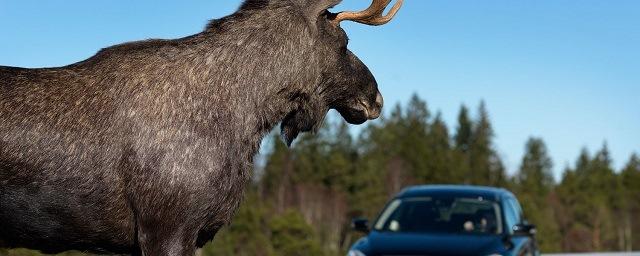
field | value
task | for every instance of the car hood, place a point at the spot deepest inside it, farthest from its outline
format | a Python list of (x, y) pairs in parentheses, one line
[(379, 243)]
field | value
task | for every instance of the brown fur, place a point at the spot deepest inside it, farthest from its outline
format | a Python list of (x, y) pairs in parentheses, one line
[(146, 146)]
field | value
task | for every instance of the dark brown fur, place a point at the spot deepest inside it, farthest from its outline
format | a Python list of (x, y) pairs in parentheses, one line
[(146, 146)]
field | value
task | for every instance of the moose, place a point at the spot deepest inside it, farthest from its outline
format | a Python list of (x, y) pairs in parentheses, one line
[(146, 147)]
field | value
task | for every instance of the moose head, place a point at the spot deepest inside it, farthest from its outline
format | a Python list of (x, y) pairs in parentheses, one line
[(343, 82)]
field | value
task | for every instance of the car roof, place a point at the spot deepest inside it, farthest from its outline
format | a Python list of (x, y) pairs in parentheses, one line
[(491, 193)]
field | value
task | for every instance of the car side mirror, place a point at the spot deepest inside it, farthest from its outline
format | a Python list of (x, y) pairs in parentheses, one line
[(360, 225), (524, 230)]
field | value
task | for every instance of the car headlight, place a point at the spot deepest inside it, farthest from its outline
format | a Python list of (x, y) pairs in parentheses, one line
[(355, 253)]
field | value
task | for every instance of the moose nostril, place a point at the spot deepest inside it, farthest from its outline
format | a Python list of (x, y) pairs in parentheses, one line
[(375, 110), (379, 101)]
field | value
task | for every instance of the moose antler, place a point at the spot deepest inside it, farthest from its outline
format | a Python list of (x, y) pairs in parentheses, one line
[(372, 15)]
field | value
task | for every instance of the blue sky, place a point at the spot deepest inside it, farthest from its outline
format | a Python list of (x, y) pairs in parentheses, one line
[(566, 71)]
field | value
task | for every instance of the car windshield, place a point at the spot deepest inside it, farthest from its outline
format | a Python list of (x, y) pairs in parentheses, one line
[(457, 215)]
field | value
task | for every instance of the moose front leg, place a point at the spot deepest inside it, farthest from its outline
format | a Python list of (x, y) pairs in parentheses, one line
[(160, 239), (166, 224)]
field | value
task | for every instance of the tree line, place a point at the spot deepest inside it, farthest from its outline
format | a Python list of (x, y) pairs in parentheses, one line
[(303, 198), (326, 179)]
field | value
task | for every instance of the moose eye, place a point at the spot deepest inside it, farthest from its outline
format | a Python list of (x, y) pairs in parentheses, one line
[(343, 40)]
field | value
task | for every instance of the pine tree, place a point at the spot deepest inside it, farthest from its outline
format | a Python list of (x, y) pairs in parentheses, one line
[(440, 154), (414, 142), (594, 200), (606, 195), (535, 170), (565, 212), (486, 167), (630, 224), (534, 183), (464, 130), (462, 143)]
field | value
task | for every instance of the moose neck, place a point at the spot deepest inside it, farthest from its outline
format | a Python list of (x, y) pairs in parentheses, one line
[(269, 69)]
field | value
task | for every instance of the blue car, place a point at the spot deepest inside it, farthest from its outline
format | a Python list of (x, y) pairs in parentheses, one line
[(448, 220)]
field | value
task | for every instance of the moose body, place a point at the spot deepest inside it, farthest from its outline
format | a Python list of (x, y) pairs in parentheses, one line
[(146, 147)]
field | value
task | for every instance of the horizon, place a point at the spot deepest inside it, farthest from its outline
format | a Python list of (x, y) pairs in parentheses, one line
[(563, 71)]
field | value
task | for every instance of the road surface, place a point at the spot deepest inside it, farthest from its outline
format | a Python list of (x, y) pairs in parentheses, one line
[(597, 254)]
